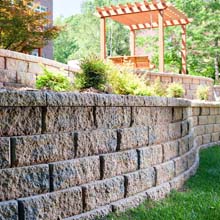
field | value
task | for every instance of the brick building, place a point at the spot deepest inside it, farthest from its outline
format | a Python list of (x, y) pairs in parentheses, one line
[(44, 6)]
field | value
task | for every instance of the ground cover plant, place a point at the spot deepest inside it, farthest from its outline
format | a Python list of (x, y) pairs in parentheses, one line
[(198, 200)]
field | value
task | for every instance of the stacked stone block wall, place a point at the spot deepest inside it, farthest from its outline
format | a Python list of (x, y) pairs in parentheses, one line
[(79, 156), (21, 70)]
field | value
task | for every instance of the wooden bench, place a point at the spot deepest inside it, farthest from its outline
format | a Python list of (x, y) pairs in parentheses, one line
[(137, 62)]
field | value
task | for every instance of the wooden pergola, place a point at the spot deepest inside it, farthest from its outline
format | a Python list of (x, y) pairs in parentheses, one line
[(146, 15)]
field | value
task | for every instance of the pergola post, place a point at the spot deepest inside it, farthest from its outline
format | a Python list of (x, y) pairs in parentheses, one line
[(103, 37), (183, 51), (132, 42), (161, 40)]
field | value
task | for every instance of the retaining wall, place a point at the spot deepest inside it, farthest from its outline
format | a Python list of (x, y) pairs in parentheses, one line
[(190, 83), (21, 70), (74, 156)]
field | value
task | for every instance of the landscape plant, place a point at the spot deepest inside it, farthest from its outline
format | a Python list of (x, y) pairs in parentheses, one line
[(93, 74), (49, 80), (175, 90), (202, 92)]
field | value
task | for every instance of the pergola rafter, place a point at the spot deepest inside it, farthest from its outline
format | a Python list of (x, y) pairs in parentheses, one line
[(138, 16)]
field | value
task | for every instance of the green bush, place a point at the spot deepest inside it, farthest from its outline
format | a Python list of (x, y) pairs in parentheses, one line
[(202, 92), (49, 80), (158, 88), (123, 81), (94, 74), (175, 90)]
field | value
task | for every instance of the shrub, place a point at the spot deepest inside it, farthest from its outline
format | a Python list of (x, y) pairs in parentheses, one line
[(158, 88), (53, 81), (175, 90), (123, 81), (202, 92), (94, 74)]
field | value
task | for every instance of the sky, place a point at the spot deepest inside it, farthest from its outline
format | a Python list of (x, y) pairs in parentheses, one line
[(66, 7)]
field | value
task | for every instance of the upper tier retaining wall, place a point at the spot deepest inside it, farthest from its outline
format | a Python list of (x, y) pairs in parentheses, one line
[(77, 156), (17, 70)]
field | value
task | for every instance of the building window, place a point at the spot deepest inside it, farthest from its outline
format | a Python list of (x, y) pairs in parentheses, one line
[(35, 53)]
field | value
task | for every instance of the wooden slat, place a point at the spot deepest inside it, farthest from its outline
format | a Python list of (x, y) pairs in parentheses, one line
[(161, 41), (183, 51), (103, 38), (132, 42)]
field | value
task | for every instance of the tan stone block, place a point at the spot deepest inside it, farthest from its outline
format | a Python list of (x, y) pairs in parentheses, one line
[(199, 130), (197, 141), (69, 119), (177, 79), (185, 128), (165, 172), (4, 153), (214, 111), (206, 139), (23, 182), (159, 192), (211, 119), (215, 137), (150, 156), (195, 121), (18, 65), (209, 129), (203, 120), (196, 81), (9, 210), (175, 130), (35, 68), (177, 114), (187, 80), (17, 121), (133, 137), (171, 150), (205, 111), (27, 79), (181, 164), (2, 63), (103, 192), (196, 111), (183, 145), (166, 79), (96, 142), (70, 173), (8, 76), (158, 134), (139, 181), (217, 128), (217, 119), (119, 163), (53, 206), (191, 157), (113, 117)]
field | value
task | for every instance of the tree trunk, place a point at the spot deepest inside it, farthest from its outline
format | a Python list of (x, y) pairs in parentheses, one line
[(216, 62)]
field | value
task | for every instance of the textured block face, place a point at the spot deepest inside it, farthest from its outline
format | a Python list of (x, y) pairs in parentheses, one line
[(2, 63), (103, 192), (177, 114), (150, 156), (165, 172), (27, 79), (23, 182), (203, 120), (9, 210), (113, 117), (183, 145), (205, 111), (191, 158), (175, 130), (159, 192), (96, 142), (181, 164), (144, 116), (215, 137), (35, 68), (206, 139), (158, 134), (74, 172), (18, 65), (38, 149), (4, 153), (52, 206), (8, 76), (209, 129), (119, 163), (185, 128), (16, 121), (133, 137), (139, 181), (67, 119), (170, 150)]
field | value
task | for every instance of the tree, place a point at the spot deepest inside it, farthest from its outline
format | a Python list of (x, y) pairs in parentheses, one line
[(23, 29)]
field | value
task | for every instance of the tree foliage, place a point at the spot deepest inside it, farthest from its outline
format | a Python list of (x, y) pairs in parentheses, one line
[(22, 28)]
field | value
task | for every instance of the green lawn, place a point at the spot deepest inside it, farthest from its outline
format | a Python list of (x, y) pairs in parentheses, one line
[(200, 199)]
